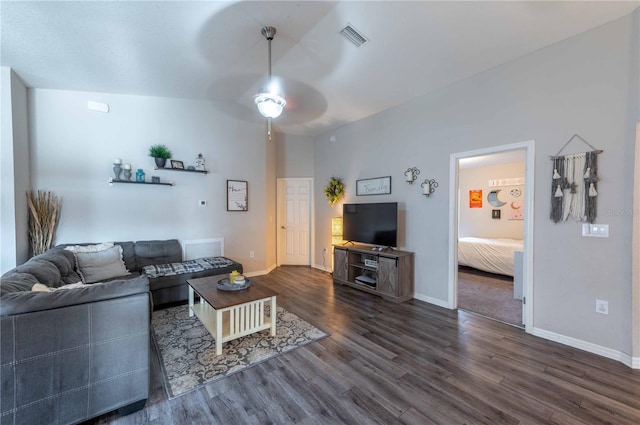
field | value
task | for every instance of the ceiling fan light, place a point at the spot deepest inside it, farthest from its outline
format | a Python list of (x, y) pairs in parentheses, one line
[(270, 105)]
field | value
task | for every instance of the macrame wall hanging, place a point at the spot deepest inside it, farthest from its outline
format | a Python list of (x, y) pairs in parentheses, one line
[(574, 185)]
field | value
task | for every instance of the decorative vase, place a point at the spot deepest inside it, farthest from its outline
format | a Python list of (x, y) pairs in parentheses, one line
[(160, 162), (117, 170), (127, 175)]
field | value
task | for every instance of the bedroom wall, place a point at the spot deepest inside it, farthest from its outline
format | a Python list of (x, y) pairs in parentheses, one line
[(14, 170), (582, 85), (478, 222), (73, 149)]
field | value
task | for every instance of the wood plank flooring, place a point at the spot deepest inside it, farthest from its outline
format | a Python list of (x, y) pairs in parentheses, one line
[(412, 363)]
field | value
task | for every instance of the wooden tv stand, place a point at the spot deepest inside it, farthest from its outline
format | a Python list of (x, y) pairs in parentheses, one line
[(386, 273)]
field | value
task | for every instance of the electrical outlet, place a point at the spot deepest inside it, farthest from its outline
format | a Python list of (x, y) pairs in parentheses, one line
[(602, 307), (250, 254)]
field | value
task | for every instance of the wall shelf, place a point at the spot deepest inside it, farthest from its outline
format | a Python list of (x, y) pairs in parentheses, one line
[(112, 181), (182, 169)]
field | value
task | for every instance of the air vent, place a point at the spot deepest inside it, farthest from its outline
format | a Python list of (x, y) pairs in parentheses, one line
[(353, 35)]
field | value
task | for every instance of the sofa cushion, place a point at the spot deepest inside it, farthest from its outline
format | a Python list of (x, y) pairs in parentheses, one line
[(128, 253), (28, 301), (89, 248), (16, 282), (64, 261), (101, 265), (44, 271), (157, 252)]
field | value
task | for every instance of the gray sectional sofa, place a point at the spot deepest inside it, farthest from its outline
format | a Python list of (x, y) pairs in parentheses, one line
[(73, 354)]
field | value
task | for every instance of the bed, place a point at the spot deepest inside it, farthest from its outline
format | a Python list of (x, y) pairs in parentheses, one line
[(489, 255)]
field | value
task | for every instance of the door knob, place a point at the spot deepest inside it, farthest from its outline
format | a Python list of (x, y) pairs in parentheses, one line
[(282, 227)]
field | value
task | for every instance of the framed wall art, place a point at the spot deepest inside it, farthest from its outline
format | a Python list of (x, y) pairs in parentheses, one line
[(375, 186), (237, 195), (177, 164)]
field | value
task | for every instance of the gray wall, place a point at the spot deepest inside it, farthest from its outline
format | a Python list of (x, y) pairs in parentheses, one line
[(73, 150), (14, 170), (585, 85), (478, 222), (294, 156)]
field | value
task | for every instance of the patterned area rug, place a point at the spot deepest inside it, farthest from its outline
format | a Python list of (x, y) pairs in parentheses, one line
[(187, 350)]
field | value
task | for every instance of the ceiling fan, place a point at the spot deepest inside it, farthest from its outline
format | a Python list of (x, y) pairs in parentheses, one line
[(268, 101)]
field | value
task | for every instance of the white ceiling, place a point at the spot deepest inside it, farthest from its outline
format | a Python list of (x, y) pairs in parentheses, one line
[(214, 50)]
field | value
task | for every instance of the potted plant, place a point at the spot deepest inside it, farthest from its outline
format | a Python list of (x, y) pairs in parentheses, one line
[(161, 153), (334, 190)]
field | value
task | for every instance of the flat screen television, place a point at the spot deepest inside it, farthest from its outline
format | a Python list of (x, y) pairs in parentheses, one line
[(375, 224)]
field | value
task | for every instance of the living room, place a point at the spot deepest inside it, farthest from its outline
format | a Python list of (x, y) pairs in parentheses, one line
[(585, 84)]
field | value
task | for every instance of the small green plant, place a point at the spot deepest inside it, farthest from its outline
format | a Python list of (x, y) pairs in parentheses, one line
[(159, 151), (334, 190)]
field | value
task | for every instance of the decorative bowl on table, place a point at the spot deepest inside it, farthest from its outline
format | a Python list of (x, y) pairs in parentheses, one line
[(237, 285)]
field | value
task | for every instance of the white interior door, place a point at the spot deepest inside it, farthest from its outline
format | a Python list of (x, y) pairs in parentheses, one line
[(294, 213)]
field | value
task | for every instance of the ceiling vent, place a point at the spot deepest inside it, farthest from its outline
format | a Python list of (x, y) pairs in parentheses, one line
[(353, 35)]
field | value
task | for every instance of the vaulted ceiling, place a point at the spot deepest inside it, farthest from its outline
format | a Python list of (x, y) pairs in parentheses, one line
[(214, 50)]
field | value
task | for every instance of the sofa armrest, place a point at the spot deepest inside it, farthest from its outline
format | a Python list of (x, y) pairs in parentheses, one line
[(28, 301)]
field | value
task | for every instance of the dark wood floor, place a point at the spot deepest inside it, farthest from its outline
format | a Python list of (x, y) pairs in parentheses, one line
[(411, 363)]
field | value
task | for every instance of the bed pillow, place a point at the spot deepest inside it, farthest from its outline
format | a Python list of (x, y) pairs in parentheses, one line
[(100, 265)]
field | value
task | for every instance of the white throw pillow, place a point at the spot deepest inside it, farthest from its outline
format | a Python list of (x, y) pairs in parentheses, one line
[(100, 265), (39, 287), (90, 248)]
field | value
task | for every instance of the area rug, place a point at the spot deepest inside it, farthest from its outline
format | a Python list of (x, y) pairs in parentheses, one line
[(187, 350)]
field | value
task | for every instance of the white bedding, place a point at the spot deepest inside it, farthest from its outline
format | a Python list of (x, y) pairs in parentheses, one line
[(489, 255)]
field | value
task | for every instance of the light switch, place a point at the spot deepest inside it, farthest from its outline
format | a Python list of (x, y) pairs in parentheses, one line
[(595, 230)]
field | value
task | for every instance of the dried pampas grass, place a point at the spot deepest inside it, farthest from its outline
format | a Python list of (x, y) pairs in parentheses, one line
[(44, 212)]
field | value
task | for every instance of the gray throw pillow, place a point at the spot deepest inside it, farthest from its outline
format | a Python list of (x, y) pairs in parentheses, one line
[(101, 265)]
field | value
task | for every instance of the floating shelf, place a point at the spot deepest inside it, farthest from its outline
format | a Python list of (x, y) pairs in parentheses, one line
[(112, 181), (182, 169)]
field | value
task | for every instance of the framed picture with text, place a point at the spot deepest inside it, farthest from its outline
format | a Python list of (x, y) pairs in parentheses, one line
[(374, 186), (237, 195)]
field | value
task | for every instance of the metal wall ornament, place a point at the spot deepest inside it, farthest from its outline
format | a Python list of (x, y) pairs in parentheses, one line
[(411, 175), (429, 186)]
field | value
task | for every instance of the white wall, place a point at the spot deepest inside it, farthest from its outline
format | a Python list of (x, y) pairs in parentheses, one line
[(585, 85), (478, 222), (73, 149), (294, 156), (14, 171)]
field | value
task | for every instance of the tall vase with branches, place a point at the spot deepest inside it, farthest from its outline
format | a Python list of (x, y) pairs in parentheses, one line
[(44, 213)]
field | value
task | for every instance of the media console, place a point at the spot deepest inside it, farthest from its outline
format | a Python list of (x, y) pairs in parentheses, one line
[(385, 273)]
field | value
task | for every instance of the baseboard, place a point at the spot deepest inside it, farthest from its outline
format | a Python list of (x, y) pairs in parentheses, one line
[(431, 300), (261, 272), (632, 362), (323, 268)]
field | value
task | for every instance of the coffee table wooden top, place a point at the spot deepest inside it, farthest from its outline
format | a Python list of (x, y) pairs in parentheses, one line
[(207, 288)]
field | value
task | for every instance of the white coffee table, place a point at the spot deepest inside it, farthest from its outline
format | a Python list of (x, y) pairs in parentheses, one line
[(229, 315)]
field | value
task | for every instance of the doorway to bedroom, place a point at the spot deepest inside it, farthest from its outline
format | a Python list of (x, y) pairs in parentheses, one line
[(489, 232)]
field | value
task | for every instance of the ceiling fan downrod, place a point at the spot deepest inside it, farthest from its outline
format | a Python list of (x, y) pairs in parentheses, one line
[(270, 104)]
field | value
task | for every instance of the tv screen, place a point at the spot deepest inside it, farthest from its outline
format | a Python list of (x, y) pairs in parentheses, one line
[(375, 224)]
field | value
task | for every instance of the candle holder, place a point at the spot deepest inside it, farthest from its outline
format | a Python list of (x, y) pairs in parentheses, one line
[(428, 187), (411, 175), (117, 170), (127, 175)]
